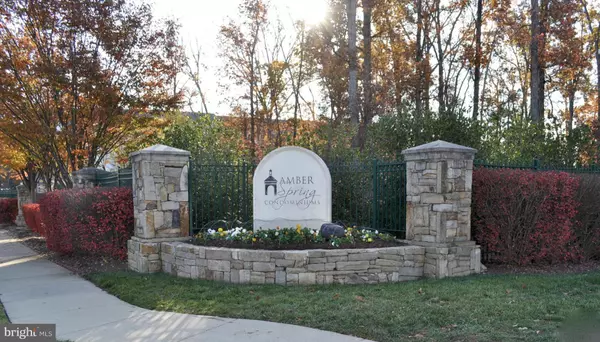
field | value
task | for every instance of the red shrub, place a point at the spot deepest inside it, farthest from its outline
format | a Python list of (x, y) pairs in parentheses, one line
[(95, 221), (8, 210), (587, 221), (33, 218), (525, 216)]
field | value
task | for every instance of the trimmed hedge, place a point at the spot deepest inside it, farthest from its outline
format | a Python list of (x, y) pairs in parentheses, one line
[(33, 218), (9, 209), (523, 216), (96, 221), (587, 221)]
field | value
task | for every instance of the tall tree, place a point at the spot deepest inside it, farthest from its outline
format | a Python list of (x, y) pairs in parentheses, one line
[(478, 52), (537, 46), (352, 66), (193, 70), (367, 113), (239, 49), (595, 34), (75, 77)]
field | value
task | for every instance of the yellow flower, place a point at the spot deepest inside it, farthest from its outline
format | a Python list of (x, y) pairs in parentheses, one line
[(298, 226), (220, 230), (253, 239), (370, 239)]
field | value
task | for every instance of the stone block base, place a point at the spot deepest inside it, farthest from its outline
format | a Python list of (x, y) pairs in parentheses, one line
[(304, 267), (143, 255), (289, 267), (20, 221), (452, 261)]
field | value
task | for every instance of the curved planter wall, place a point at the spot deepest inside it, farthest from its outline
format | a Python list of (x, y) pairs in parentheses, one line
[(291, 267)]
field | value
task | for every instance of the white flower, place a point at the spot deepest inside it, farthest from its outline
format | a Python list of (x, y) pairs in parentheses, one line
[(376, 232), (314, 232), (211, 231), (276, 233)]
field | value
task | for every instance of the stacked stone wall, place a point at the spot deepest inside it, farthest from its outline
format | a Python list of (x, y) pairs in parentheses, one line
[(340, 266)]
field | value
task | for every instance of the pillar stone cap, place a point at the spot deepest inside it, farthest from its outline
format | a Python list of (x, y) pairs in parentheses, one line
[(439, 146), (161, 149)]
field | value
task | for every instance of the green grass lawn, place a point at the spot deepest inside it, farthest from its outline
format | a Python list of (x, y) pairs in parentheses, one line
[(476, 308), (3, 318)]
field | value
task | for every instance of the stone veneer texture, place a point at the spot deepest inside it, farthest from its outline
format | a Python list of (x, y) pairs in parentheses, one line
[(343, 266)]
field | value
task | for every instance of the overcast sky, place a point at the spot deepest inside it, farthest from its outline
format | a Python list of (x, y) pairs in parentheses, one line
[(201, 20)]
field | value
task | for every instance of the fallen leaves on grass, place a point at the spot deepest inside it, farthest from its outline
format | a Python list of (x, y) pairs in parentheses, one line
[(421, 291), (336, 296), (449, 327), (359, 298), (418, 335)]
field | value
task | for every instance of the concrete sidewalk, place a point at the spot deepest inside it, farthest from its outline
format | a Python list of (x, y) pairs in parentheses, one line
[(34, 290)]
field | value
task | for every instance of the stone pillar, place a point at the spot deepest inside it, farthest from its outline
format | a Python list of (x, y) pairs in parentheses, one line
[(438, 207), (161, 207), (23, 197)]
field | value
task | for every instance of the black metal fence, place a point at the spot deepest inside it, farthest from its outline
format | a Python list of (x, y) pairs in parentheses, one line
[(119, 178), (370, 194), (8, 193)]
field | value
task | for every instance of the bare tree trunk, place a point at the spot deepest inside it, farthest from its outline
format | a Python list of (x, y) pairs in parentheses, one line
[(419, 60), (252, 114), (536, 109), (352, 67), (367, 74), (571, 109), (297, 88), (478, 23), (441, 80)]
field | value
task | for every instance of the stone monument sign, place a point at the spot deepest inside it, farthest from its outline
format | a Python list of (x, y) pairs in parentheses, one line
[(292, 185)]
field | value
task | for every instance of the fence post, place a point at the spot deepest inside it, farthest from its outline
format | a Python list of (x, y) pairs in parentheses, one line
[(245, 190), (375, 197), (160, 201), (438, 207)]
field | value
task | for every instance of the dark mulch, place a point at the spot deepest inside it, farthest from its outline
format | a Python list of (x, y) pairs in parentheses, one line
[(78, 264), (565, 268), (274, 246)]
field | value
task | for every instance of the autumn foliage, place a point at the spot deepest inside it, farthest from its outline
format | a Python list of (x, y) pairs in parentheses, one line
[(33, 218), (96, 221), (8, 210), (523, 216)]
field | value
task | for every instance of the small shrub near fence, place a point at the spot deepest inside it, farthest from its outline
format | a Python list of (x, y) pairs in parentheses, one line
[(8, 210), (96, 221), (33, 218)]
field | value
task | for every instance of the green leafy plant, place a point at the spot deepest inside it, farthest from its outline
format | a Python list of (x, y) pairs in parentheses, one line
[(290, 236)]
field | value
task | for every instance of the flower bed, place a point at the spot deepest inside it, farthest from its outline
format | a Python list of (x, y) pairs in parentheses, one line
[(293, 239)]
